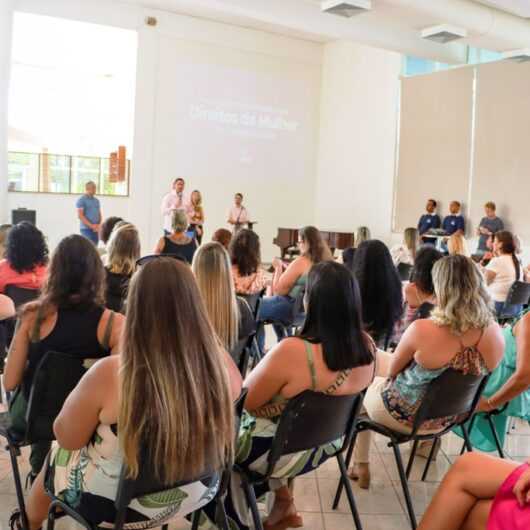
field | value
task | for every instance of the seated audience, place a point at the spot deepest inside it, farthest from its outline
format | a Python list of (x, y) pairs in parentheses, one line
[(429, 221), (485, 258), (170, 361), (508, 384), (363, 234), (229, 314), (123, 251), (331, 355), (289, 282), (223, 236), (4, 231), (489, 225), (502, 271), (26, 258), (381, 291), (249, 277), (406, 252), (456, 244), (69, 317), (106, 228), (481, 492), (461, 334), (178, 243), (454, 223), (419, 292)]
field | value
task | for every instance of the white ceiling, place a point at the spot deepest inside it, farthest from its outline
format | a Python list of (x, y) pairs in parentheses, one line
[(520, 8), (391, 24)]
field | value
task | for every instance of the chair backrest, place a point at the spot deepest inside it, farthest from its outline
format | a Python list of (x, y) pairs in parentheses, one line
[(241, 352), (404, 271), (519, 293), (451, 394), (20, 295), (145, 483), (312, 419), (253, 301), (56, 376)]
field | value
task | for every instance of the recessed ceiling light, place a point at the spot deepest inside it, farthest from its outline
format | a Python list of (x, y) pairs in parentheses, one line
[(346, 8), (443, 33), (521, 56)]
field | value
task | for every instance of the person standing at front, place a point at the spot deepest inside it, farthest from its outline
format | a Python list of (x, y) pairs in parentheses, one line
[(238, 215), (176, 199), (89, 213)]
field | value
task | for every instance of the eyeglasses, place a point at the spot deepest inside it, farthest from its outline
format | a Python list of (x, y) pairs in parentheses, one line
[(146, 259)]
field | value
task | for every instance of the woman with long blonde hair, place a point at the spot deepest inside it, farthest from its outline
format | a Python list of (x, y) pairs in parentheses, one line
[(456, 245), (406, 252), (229, 314), (196, 215), (123, 252), (169, 395), (461, 334)]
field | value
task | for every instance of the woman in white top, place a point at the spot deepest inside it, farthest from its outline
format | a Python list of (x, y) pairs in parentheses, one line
[(502, 271), (406, 252)]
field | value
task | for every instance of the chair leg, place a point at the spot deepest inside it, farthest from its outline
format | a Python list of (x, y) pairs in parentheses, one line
[(467, 442), (195, 520), (429, 460), (50, 525), (411, 457), (349, 454), (495, 436), (405, 486), (252, 502), (349, 492), (18, 486)]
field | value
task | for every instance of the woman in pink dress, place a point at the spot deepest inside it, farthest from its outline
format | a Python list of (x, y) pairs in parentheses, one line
[(481, 492)]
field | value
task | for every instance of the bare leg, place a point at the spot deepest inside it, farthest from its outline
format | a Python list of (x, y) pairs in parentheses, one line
[(473, 478), (478, 517), (38, 502)]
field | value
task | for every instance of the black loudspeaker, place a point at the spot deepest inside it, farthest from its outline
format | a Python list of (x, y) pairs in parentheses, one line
[(23, 214)]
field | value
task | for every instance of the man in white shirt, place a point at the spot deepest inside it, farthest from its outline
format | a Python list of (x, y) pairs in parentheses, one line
[(176, 199), (238, 215)]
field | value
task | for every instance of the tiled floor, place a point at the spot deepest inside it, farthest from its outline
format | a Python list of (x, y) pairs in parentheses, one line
[(381, 508)]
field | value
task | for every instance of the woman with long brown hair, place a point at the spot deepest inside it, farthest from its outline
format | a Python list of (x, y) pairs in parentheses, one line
[(69, 317), (169, 392), (289, 281)]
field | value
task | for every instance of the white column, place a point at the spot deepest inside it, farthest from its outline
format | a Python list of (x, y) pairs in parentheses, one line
[(6, 25)]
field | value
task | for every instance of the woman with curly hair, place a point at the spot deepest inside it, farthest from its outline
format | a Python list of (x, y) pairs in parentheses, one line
[(245, 255), (26, 258)]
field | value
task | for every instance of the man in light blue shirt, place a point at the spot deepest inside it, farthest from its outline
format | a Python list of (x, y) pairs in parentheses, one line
[(89, 213)]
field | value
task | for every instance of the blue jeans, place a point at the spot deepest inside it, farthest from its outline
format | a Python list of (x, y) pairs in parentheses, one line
[(507, 311), (279, 308), (90, 234)]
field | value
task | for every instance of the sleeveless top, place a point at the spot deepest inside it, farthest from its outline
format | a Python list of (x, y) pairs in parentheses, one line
[(403, 395), (274, 409), (298, 286), (75, 333), (186, 250)]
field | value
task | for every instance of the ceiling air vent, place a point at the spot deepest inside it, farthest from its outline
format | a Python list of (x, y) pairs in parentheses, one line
[(520, 56), (346, 8), (443, 33)]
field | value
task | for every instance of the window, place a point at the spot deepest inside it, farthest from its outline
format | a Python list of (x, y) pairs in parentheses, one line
[(51, 173), (70, 106)]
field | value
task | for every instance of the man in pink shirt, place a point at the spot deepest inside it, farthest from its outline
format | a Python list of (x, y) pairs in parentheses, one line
[(176, 199)]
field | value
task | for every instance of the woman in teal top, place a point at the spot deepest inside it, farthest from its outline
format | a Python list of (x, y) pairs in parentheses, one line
[(508, 383)]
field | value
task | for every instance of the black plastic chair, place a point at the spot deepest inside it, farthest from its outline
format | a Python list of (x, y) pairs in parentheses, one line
[(55, 377), (452, 394), (20, 295), (253, 300), (241, 352), (144, 484), (489, 418), (309, 420), (518, 295), (404, 271)]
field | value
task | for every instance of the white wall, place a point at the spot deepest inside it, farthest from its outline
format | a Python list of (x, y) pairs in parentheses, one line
[(153, 166), (359, 107), (6, 22)]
